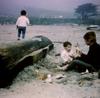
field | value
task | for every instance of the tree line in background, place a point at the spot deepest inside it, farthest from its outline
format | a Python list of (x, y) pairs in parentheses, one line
[(50, 21), (86, 14)]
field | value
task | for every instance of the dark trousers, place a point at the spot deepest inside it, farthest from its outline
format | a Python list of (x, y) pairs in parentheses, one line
[(21, 30), (80, 66)]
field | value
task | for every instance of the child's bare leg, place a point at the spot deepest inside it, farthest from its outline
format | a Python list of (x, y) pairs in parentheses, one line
[(63, 67)]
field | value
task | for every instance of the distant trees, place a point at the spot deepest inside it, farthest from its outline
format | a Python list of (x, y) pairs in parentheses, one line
[(84, 11)]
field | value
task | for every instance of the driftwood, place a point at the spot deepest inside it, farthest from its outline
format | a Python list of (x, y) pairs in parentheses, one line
[(14, 57)]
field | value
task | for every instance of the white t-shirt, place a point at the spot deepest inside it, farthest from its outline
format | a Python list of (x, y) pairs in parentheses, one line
[(68, 56), (22, 21)]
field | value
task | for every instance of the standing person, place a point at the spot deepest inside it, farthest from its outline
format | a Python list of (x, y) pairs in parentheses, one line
[(68, 54), (21, 24), (91, 60)]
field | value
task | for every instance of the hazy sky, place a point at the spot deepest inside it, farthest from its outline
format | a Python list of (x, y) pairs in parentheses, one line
[(61, 5)]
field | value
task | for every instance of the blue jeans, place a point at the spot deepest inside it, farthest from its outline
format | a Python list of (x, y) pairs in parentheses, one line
[(21, 30), (80, 66)]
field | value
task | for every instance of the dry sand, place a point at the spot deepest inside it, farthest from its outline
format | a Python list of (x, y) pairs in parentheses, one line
[(74, 86)]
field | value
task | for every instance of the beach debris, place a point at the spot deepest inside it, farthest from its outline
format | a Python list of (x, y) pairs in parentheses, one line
[(49, 78), (93, 27), (60, 76)]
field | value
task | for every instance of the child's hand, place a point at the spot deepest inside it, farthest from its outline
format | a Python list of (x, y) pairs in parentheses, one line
[(78, 52)]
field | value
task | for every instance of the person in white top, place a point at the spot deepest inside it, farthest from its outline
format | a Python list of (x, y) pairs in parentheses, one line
[(21, 24), (68, 54)]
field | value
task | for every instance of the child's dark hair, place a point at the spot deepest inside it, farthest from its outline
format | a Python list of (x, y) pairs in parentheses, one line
[(23, 12), (90, 35), (65, 44)]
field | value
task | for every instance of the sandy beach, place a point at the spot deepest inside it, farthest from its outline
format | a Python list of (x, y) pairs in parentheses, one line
[(73, 85)]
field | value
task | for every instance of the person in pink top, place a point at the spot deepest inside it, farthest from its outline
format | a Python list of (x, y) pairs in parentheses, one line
[(22, 23)]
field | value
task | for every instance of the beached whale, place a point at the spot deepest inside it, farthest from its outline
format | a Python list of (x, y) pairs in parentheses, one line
[(17, 55)]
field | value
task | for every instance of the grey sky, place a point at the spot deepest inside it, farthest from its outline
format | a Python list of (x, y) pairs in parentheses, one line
[(61, 5)]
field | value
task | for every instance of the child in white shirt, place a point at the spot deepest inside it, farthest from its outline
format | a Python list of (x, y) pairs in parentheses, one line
[(21, 24), (68, 54)]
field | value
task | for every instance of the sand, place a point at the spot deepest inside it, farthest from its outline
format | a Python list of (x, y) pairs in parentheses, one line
[(75, 85)]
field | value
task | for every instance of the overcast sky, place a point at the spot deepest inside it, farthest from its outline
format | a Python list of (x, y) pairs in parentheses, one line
[(60, 5)]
